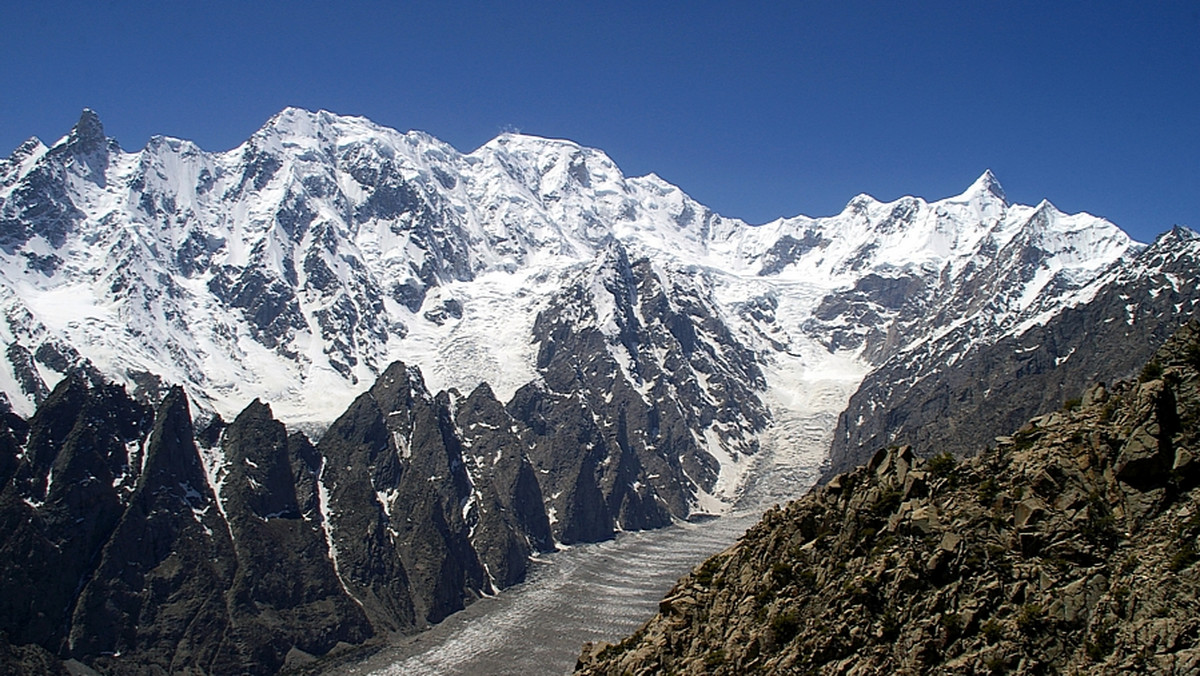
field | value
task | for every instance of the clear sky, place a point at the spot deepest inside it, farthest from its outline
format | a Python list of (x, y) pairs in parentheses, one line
[(756, 109)]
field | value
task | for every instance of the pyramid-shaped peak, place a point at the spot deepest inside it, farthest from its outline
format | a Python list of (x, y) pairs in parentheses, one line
[(87, 135), (1178, 235), (987, 185)]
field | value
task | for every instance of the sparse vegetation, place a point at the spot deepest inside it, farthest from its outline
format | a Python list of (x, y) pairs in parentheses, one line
[(781, 572), (706, 572), (1031, 619), (1023, 440), (1183, 557), (992, 631), (1101, 645), (1151, 371), (784, 626), (988, 489), (714, 658), (951, 622), (1192, 355), (1101, 525), (942, 465), (889, 502)]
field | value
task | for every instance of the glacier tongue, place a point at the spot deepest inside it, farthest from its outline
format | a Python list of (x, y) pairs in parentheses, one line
[(295, 267)]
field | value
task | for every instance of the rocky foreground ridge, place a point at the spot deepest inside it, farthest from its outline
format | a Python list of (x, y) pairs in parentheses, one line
[(1071, 546)]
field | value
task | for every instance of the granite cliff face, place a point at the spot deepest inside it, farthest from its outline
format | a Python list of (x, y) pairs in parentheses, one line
[(1069, 546)]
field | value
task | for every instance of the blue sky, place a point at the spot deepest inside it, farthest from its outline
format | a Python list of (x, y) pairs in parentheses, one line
[(758, 110)]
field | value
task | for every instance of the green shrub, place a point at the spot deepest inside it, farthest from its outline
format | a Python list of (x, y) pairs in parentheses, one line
[(705, 575), (785, 625), (1024, 440), (889, 626), (1151, 371), (1101, 526), (714, 658), (1192, 354), (993, 631), (781, 572), (807, 578), (1031, 619), (888, 503), (988, 489), (942, 464), (1101, 645), (1183, 557), (951, 622)]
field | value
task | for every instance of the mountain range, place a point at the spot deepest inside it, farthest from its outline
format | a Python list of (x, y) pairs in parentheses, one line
[(405, 370)]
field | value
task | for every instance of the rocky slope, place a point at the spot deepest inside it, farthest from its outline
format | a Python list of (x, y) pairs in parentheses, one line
[(1071, 546)]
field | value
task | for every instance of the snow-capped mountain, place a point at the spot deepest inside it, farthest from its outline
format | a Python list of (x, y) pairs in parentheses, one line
[(925, 395), (297, 266), (501, 351)]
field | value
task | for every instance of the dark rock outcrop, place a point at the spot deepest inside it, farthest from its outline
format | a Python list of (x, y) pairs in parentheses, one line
[(1069, 548), (636, 367), (397, 484), (156, 598), (67, 492), (285, 594), (507, 516), (131, 549)]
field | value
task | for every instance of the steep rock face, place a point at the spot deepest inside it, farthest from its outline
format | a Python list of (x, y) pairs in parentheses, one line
[(285, 594), (506, 513), (427, 511), (70, 483), (642, 382), (156, 597), (396, 447), (1072, 546), (959, 391), (118, 553)]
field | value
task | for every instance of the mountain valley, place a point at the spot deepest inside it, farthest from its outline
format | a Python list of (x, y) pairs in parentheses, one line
[(340, 382)]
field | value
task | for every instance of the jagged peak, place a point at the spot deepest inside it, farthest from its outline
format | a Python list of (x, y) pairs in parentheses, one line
[(529, 144), (295, 122), (87, 136), (299, 127), (861, 201), (1179, 233), (256, 410), (399, 380), (27, 148), (1177, 241), (1046, 207)]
